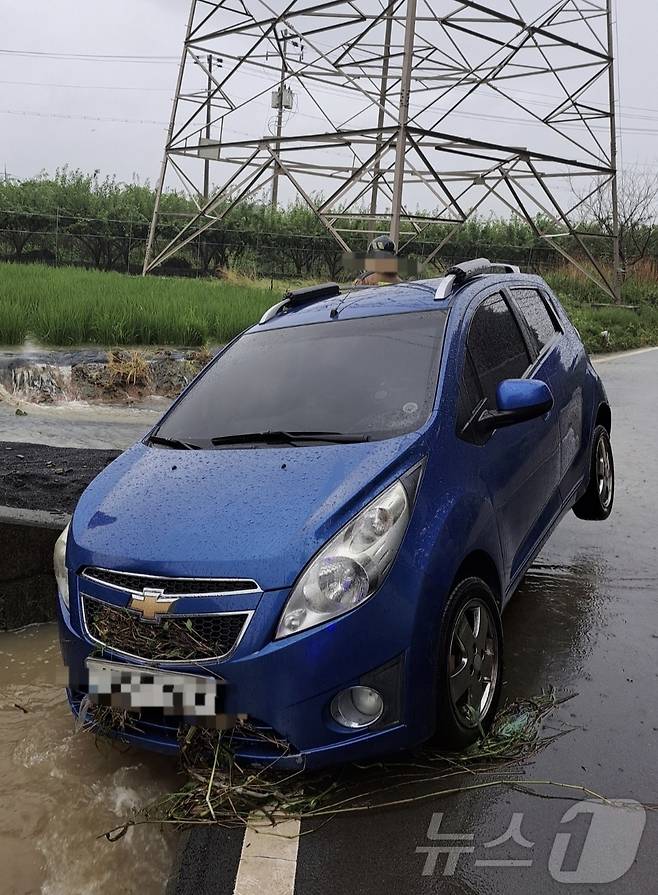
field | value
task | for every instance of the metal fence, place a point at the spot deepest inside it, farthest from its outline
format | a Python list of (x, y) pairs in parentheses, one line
[(61, 239)]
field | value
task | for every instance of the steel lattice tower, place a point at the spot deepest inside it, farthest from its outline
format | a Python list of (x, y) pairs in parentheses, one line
[(455, 106)]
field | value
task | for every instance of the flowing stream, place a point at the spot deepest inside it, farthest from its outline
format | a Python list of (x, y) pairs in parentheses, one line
[(61, 791)]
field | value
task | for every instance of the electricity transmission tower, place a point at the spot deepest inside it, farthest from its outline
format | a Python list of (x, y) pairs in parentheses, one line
[(408, 113)]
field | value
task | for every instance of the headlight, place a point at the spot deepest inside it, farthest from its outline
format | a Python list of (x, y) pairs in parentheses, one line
[(61, 572), (350, 567)]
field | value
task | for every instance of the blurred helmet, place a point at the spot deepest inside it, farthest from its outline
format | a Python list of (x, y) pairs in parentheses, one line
[(382, 244)]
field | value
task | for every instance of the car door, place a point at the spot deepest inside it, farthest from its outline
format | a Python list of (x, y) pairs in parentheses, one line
[(561, 363), (519, 466), (575, 429)]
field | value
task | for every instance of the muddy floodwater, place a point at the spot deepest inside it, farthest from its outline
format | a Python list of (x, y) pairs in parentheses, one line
[(61, 790)]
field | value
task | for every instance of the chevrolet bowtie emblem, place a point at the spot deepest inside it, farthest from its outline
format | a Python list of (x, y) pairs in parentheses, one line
[(151, 603)]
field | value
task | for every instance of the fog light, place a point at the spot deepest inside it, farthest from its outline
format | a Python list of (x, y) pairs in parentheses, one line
[(357, 707)]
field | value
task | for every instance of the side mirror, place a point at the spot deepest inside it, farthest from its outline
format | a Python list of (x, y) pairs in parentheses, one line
[(518, 400)]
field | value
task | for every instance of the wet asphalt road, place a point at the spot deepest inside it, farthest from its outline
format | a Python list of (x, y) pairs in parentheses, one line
[(584, 620)]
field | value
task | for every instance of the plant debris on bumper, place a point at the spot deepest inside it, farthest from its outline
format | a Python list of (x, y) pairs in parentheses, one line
[(221, 790)]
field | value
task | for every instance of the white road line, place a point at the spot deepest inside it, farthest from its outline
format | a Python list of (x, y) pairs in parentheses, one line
[(602, 358), (268, 862)]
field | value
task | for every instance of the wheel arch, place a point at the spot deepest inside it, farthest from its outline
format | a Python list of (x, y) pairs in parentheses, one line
[(604, 417), (478, 563)]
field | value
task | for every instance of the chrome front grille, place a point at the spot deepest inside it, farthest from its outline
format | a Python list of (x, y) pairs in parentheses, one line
[(176, 638), (133, 582)]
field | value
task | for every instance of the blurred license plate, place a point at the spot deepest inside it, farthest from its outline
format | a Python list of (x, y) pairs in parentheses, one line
[(132, 688)]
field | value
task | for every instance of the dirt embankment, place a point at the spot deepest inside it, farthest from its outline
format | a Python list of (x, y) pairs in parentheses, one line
[(131, 375), (110, 377), (40, 477)]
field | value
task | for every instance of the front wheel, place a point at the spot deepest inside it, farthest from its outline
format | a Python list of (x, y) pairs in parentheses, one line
[(596, 502), (470, 672)]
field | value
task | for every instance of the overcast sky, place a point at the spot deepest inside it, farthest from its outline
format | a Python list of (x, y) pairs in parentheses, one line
[(111, 115)]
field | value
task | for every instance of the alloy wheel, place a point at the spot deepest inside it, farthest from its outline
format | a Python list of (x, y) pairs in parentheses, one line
[(473, 662), (604, 474)]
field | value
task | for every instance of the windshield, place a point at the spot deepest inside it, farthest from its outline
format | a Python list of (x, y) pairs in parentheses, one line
[(370, 377)]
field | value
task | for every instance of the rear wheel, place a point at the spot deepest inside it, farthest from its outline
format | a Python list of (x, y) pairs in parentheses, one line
[(596, 502), (470, 673)]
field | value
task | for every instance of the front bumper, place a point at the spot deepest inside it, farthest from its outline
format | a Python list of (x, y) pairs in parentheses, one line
[(159, 736), (288, 684)]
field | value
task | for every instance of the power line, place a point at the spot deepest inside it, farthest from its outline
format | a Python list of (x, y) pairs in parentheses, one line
[(653, 116), (26, 114), (118, 87), (640, 132), (110, 57), (107, 120), (87, 86), (90, 57), (107, 57)]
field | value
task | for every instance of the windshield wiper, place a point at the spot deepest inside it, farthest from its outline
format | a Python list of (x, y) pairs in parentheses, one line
[(281, 437), (173, 443)]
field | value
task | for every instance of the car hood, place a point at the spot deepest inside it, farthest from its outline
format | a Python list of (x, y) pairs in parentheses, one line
[(251, 513)]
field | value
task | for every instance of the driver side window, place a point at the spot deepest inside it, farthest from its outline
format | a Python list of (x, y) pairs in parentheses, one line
[(495, 350)]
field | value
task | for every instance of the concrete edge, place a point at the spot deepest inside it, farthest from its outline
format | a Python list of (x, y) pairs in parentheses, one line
[(35, 518), (618, 355), (28, 590)]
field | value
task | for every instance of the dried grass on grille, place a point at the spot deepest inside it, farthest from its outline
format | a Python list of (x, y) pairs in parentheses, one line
[(221, 790), (170, 640)]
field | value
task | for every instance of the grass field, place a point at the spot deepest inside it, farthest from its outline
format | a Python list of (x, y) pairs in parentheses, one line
[(68, 306), (626, 327)]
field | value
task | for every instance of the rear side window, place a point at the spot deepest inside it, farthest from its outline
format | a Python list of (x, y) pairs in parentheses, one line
[(537, 316), (496, 346)]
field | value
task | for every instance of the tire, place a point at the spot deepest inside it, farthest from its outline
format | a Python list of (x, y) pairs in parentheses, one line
[(471, 658), (596, 502)]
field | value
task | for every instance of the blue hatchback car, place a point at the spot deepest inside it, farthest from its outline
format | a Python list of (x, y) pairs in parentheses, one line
[(323, 530)]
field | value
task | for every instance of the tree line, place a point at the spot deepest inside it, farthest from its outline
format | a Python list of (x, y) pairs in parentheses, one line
[(73, 218)]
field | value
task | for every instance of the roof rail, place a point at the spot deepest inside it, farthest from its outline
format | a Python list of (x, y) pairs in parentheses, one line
[(296, 297), (459, 274)]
